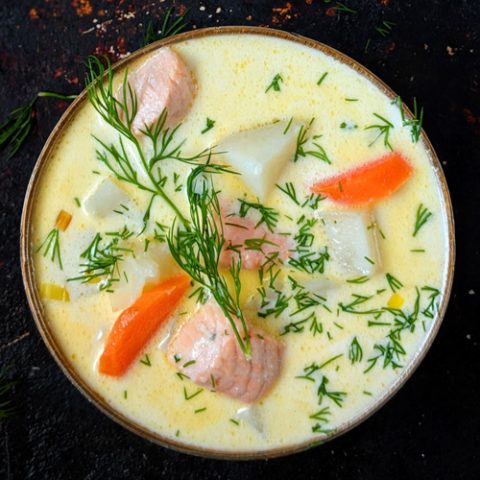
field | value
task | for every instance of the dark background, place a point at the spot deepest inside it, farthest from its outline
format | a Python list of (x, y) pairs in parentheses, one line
[(431, 429)]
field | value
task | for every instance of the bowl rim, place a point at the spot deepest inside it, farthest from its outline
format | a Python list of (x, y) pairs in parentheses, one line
[(31, 289)]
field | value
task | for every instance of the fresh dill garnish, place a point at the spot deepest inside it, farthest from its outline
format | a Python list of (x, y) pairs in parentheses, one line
[(355, 352), (188, 396), (101, 260), (120, 113), (209, 124), (51, 247), (196, 248), (422, 216), (236, 422), (290, 191), (362, 279), (341, 7), (330, 360), (322, 78), (77, 202), (414, 123), (268, 215), (383, 130), (432, 306), (351, 99), (190, 362), (6, 386), (275, 84), (393, 282), (199, 410), (18, 124), (321, 417), (125, 394), (418, 250), (385, 28), (146, 361), (303, 138), (171, 25), (336, 396), (369, 260), (359, 300), (367, 45)]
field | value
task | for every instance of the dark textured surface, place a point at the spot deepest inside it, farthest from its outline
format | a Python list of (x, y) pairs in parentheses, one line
[(431, 429)]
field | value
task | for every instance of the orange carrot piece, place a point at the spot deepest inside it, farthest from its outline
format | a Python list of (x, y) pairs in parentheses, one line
[(137, 324), (63, 220), (368, 183)]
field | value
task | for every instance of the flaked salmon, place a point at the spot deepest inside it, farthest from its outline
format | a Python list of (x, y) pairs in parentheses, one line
[(206, 350), (162, 82), (254, 244)]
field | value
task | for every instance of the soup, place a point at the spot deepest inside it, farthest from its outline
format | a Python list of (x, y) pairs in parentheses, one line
[(254, 269)]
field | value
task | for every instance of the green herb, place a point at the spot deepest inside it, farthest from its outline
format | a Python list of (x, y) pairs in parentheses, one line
[(369, 260), (120, 113), (322, 417), (102, 260), (125, 394), (6, 386), (367, 45), (365, 392), (383, 130), (51, 247), (432, 307), (208, 125), (362, 279), (355, 352), (187, 364), (422, 216), (268, 216), (341, 7), (289, 190), (418, 250), (351, 99), (330, 360), (77, 202), (275, 83), (414, 123), (197, 248), (171, 25), (146, 361), (385, 28), (322, 78), (18, 124), (236, 422), (302, 138), (393, 282), (336, 396), (188, 396), (199, 410)]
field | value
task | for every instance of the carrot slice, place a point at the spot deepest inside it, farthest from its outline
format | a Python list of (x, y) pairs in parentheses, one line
[(368, 183), (137, 324)]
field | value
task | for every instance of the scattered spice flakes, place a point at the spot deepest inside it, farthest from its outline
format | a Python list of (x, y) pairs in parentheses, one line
[(82, 7), (33, 14), (450, 51), (330, 11), (282, 14), (249, 18)]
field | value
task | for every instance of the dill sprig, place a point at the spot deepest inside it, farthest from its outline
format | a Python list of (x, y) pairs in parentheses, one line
[(268, 215), (432, 305), (355, 352), (275, 84), (197, 247), (290, 191), (171, 25), (51, 247), (394, 283), (120, 114), (303, 138), (18, 124), (341, 7), (415, 123), (6, 386), (385, 28), (101, 261), (383, 130), (209, 124), (422, 216)]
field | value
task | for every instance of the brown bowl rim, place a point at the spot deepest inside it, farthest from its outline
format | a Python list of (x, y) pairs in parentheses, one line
[(36, 307)]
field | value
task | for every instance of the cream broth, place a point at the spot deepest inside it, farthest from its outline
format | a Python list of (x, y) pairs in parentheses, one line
[(232, 75)]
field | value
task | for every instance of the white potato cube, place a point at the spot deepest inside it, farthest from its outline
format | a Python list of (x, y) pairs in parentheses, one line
[(104, 198), (260, 154), (352, 243)]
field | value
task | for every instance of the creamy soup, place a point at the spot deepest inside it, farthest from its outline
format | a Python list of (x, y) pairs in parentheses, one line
[(335, 214)]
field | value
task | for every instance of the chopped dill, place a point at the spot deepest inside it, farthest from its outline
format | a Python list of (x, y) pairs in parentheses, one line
[(322, 78), (355, 352), (393, 282), (51, 247), (146, 361), (422, 216), (209, 124), (275, 84), (383, 130), (171, 25)]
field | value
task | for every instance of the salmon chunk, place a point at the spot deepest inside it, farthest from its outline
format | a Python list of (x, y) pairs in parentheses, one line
[(206, 350), (255, 244), (162, 82)]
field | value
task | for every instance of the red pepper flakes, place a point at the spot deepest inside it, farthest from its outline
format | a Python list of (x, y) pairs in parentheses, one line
[(33, 14), (82, 7)]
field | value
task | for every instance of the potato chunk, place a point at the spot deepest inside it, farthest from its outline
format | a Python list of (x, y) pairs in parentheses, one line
[(104, 198), (261, 154)]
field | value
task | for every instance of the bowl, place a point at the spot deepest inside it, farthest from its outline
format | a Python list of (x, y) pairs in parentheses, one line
[(32, 290)]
